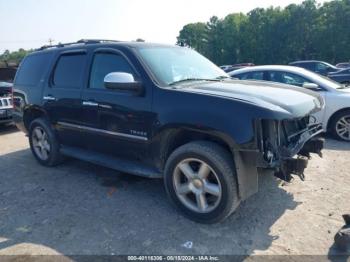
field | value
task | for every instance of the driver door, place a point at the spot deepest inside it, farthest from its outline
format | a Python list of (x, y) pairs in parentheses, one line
[(119, 121)]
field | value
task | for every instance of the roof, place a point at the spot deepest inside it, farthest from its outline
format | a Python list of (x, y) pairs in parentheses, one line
[(306, 61), (96, 42)]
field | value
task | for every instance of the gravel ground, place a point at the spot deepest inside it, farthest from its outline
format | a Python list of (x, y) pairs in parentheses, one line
[(79, 208)]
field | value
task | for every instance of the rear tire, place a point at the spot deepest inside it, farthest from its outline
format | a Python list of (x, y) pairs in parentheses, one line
[(340, 126), (200, 179), (43, 143)]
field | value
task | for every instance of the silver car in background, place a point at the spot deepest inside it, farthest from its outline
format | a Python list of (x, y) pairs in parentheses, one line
[(335, 117)]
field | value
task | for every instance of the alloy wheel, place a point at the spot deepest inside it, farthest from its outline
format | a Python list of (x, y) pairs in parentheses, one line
[(343, 127), (197, 185), (41, 143)]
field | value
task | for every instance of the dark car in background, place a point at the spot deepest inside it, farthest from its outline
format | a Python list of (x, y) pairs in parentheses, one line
[(343, 65), (342, 76), (6, 106), (319, 67)]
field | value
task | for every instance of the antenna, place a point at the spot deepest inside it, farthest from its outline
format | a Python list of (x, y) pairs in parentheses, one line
[(51, 41)]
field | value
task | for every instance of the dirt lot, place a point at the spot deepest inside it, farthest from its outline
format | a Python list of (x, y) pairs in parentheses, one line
[(79, 208)]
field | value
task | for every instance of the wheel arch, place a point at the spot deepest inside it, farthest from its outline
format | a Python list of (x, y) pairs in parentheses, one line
[(173, 138), (31, 113), (246, 170), (333, 117)]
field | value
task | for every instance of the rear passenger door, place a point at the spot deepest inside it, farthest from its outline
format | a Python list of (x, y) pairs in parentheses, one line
[(62, 95), (119, 122)]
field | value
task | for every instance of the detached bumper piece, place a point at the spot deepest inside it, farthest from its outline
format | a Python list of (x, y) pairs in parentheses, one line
[(313, 146), (296, 166)]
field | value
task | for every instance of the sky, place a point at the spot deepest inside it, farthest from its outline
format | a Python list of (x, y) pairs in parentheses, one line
[(31, 23)]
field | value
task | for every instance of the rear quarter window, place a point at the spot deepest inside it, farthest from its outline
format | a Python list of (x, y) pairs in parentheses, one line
[(32, 69)]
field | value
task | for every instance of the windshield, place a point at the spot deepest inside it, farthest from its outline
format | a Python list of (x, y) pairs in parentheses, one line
[(323, 80), (331, 66), (171, 65)]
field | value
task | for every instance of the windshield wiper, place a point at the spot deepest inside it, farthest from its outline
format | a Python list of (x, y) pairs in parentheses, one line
[(191, 79)]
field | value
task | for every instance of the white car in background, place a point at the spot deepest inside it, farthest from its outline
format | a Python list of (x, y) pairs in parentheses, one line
[(336, 115)]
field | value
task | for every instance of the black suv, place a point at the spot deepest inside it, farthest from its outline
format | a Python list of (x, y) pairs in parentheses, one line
[(164, 112)]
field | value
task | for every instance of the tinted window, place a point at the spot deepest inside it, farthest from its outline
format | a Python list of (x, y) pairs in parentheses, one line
[(239, 76), (253, 76), (69, 71), (104, 64), (33, 69), (242, 76), (309, 66)]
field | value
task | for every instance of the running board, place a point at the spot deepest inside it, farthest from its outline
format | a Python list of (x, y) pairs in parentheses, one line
[(127, 166)]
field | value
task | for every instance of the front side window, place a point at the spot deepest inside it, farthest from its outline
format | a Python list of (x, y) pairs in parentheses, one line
[(69, 71), (105, 63), (256, 76), (170, 65), (287, 78)]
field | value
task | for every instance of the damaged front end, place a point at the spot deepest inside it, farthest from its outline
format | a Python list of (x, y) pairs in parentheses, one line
[(287, 145)]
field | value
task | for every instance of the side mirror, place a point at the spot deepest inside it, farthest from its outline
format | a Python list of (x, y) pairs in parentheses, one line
[(122, 81), (311, 86)]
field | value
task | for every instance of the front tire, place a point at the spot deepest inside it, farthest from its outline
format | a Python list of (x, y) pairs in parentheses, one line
[(340, 126), (200, 179), (43, 143)]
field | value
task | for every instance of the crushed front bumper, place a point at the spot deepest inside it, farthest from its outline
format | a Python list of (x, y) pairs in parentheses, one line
[(287, 146)]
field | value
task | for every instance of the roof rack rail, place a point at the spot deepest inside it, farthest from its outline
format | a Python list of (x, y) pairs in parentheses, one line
[(79, 42)]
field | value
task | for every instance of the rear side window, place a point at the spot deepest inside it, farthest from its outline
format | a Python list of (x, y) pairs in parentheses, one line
[(105, 63), (33, 69), (69, 71)]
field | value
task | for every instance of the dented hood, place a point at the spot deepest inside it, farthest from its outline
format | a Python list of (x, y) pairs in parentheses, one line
[(294, 100)]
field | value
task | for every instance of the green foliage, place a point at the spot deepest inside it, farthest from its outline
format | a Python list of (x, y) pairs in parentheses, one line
[(15, 57), (275, 35)]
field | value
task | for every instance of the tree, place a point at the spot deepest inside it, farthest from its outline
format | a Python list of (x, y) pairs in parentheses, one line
[(275, 35), (15, 57), (194, 35)]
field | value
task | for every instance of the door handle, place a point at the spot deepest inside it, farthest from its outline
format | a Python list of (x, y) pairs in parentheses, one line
[(49, 98), (89, 103)]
